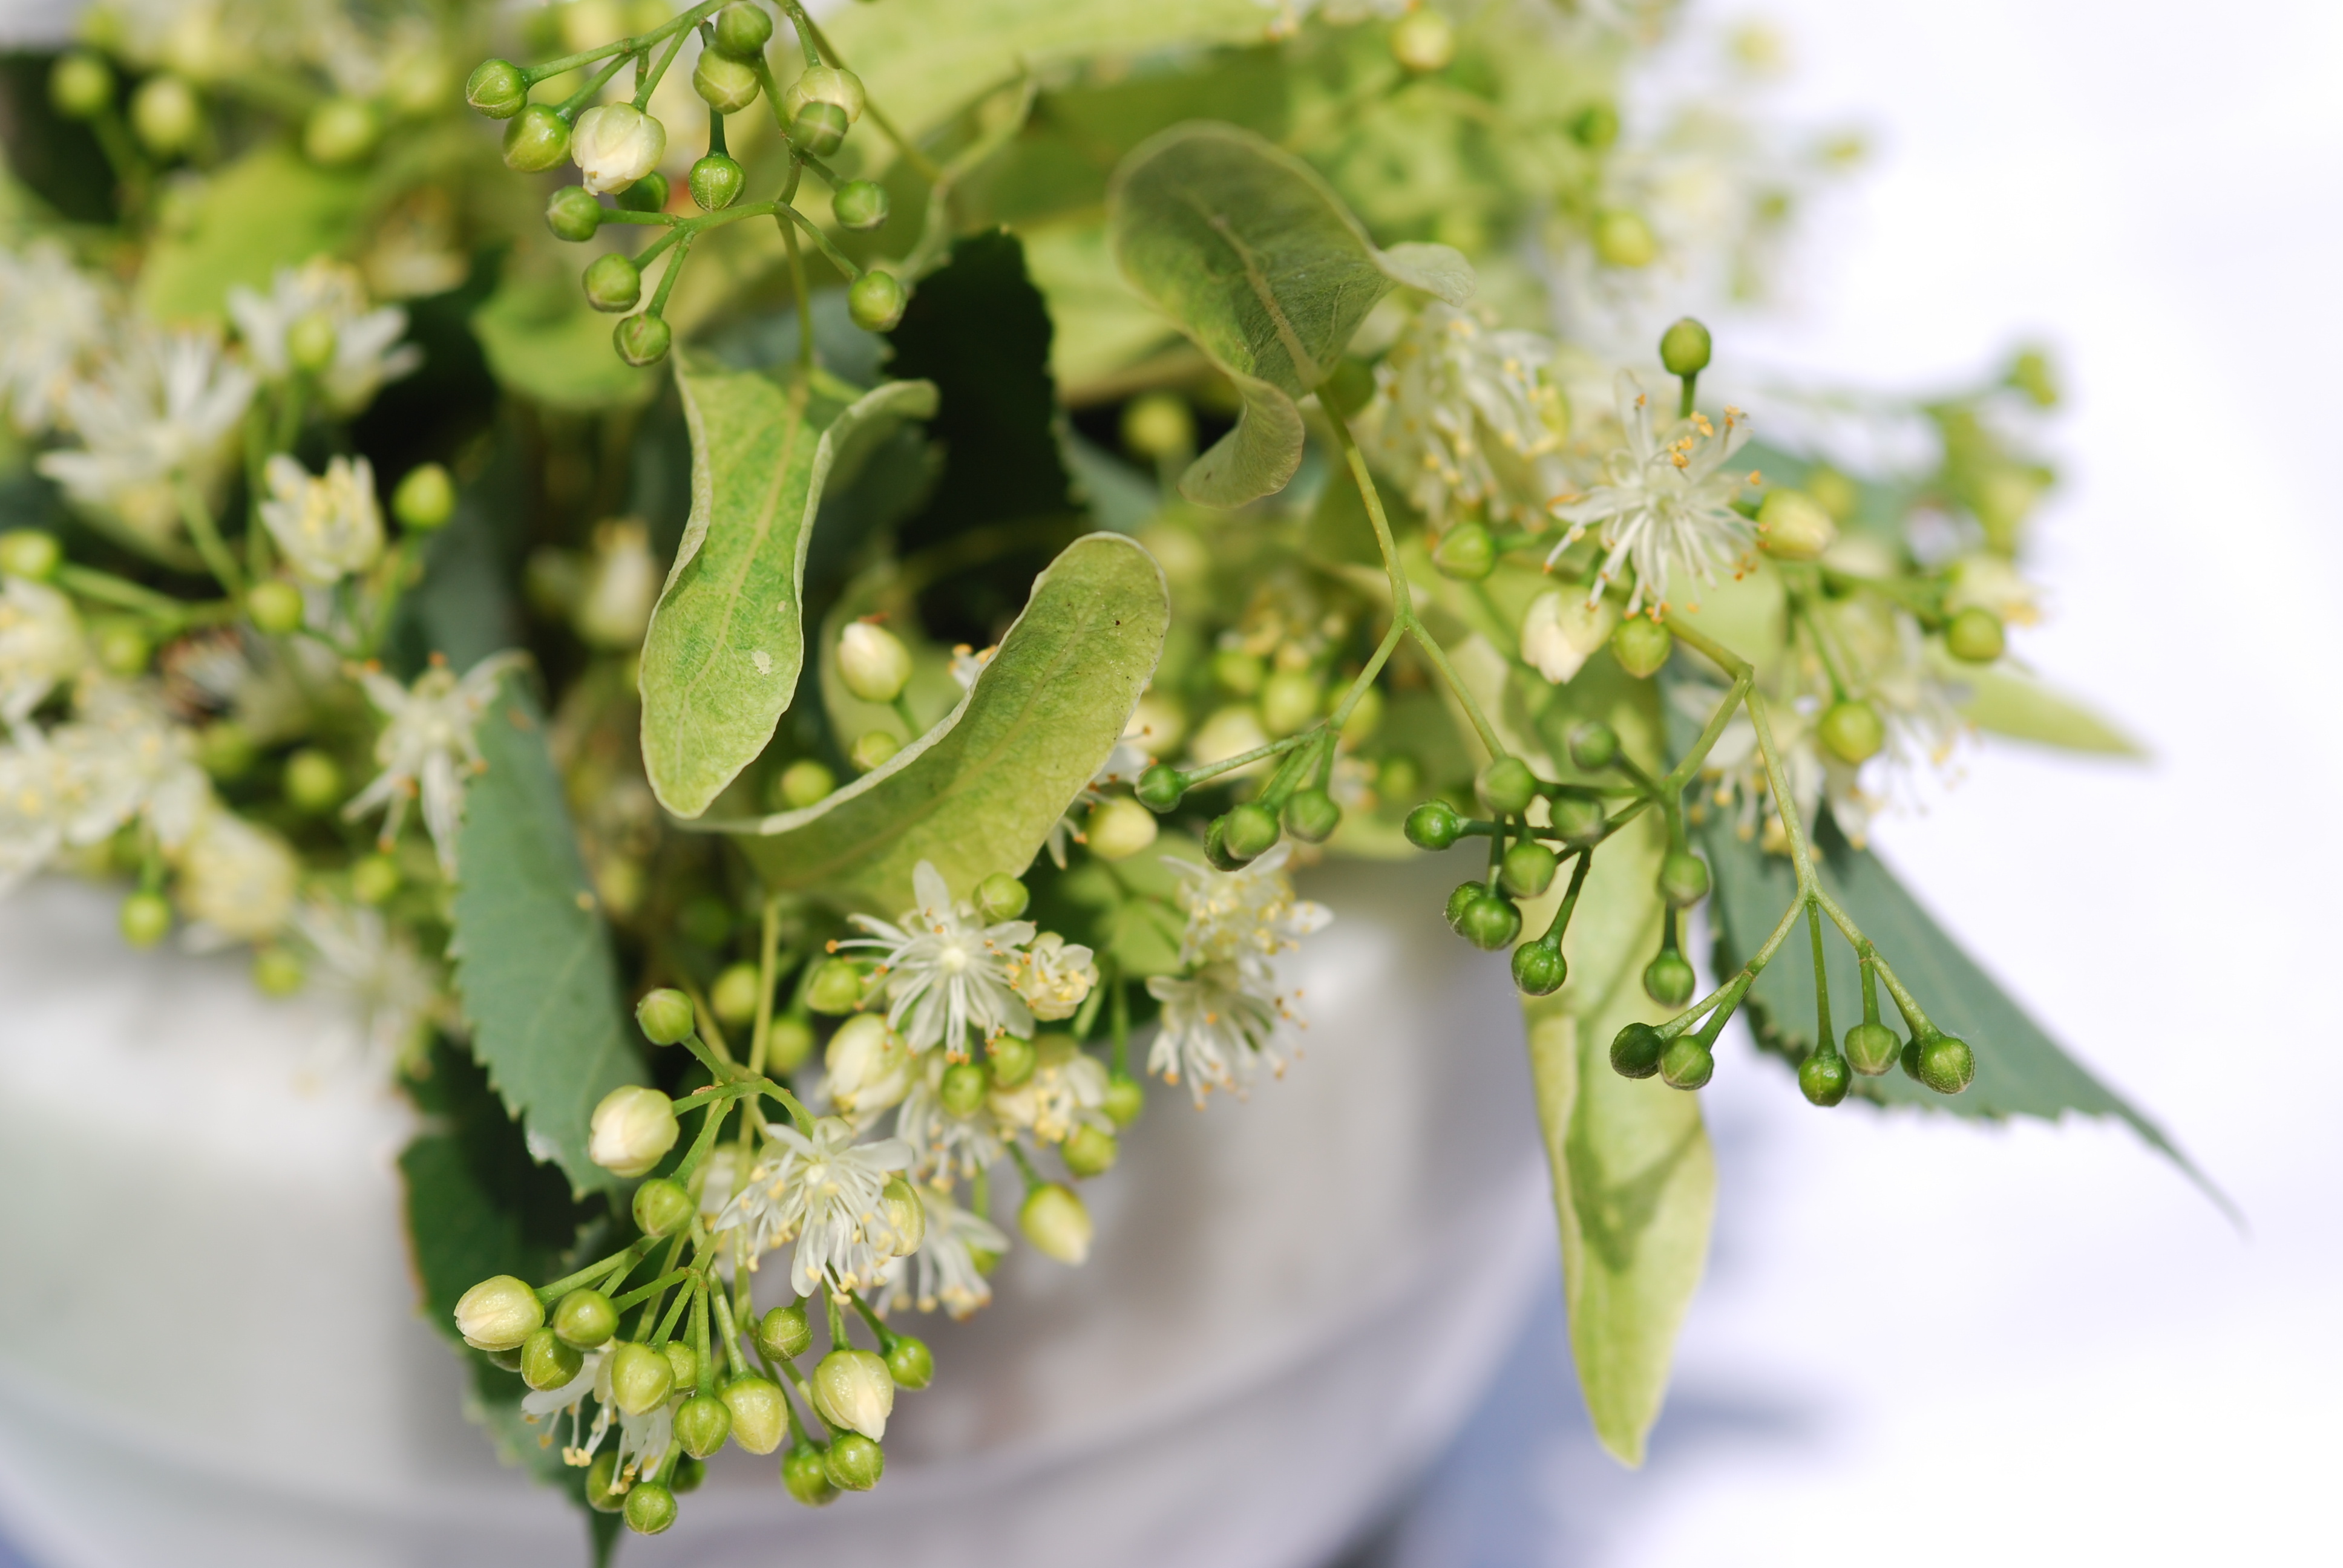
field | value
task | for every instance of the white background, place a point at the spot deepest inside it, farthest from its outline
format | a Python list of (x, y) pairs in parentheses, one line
[(1922, 1342)]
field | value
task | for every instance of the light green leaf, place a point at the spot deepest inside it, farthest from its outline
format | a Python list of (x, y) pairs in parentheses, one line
[(979, 792), (268, 209), (1256, 258), (2021, 707), (544, 342), (727, 640), (533, 963)]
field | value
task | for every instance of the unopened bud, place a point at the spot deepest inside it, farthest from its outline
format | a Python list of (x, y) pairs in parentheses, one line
[(965, 1085), (585, 1318), (1668, 979), (1118, 827), (742, 30), (759, 1418), (1947, 1065), (828, 84), (818, 129), (632, 1128), (1160, 788), (81, 85), (1593, 746), (1054, 1220), (804, 783), (1976, 636), (1423, 41), (615, 145), (165, 116), (1012, 1058), (1312, 816), (1001, 897), (373, 878), (805, 1471), (1126, 1097), (911, 1363), (870, 1065), (1539, 968), (313, 782), (787, 1045), (854, 1462), (906, 1217), (1433, 825), (424, 499), (727, 86), (499, 1314), (836, 989), (536, 139), (647, 194), (1528, 870), (1792, 524), (734, 996), (716, 179), (643, 340), (651, 1508), (1852, 731), (1468, 551), (1488, 921), (785, 1332), (664, 1015), (29, 553), (1159, 427), (573, 214), (875, 301), (1685, 347), (1686, 1063), (1089, 1151), (1624, 240), (497, 88), (1506, 786), (662, 1209), (341, 131), (277, 973), (1683, 878), (860, 204), (873, 662), (144, 919), (1642, 645), (640, 1377), (605, 1492), (702, 1423), (852, 1390), (872, 749), (1289, 702), (1636, 1050), (1823, 1077), (547, 1362)]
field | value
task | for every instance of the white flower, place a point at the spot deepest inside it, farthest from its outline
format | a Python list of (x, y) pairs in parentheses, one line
[(32, 811), (236, 880), (872, 661), (121, 757), (52, 318), (396, 989), (40, 644), (1469, 420), (1245, 917), (161, 412), (967, 664), (616, 144), (1217, 1027), (1669, 504), (336, 293), (866, 1067), (947, 972), (643, 1440), (1562, 631), (943, 1271), (1065, 1091), (429, 746), (622, 584), (945, 1148), (631, 1129), (824, 1190), (328, 526), (1052, 976)]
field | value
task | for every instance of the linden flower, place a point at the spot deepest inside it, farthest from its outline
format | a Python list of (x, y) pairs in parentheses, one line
[(945, 1148), (236, 880), (396, 989), (156, 417), (1561, 632), (1669, 504), (1052, 976), (330, 526), (334, 293), (52, 318), (122, 757), (616, 144), (826, 1191), (429, 748), (32, 813), (947, 972), (1218, 1028), (1245, 917), (944, 1271), (1469, 421), (1065, 1091), (40, 644)]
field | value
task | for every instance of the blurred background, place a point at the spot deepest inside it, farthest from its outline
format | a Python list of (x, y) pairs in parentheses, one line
[(1922, 1341)]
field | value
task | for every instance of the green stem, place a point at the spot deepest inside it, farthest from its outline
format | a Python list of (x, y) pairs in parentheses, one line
[(1195, 775), (571, 106), (1366, 677), (208, 544), (689, 19), (1825, 1038), (647, 83), (617, 1263), (877, 1326), (924, 166), (1555, 929)]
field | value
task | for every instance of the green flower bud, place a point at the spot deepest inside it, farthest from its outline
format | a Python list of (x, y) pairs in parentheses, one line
[(122, 647), (640, 1377), (604, 1492), (1160, 788), (1126, 1097), (664, 1015), (965, 1085), (613, 283), (716, 180), (806, 782), (499, 1314), (1490, 922), (906, 1217), (585, 1318), (573, 214), (1793, 526), (1056, 1222), (1506, 786), (837, 989), (1423, 41), (805, 1471), (632, 1128), (341, 131), (872, 749), (1593, 746), (860, 204), (1159, 427), (1539, 970), (647, 194), (1686, 1063), (1461, 901), (1852, 730), (1595, 126), (854, 1462), (1312, 816), (873, 662), (1683, 878), (651, 1508), (684, 1363), (1668, 979), (545, 1362), (1001, 897), (818, 130), (497, 89), (852, 1391), (662, 1209), (310, 343), (1528, 870), (1822, 1078), (29, 553), (1976, 636), (685, 1474), (1685, 347), (911, 1363), (313, 782), (373, 878), (643, 340), (733, 998), (742, 30), (1089, 1151), (1947, 1065), (702, 1423), (1624, 240), (875, 300), (785, 1332), (1248, 831), (225, 750), (1468, 551), (424, 499), (1642, 645), (536, 139), (758, 1410), (1433, 825), (727, 85), (1240, 671), (787, 1045), (1012, 1058), (615, 145), (1579, 821), (1872, 1049), (828, 84), (81, 85), (166, 114), (277, 973), (1289, 702), (1636, 1050), (275, 606)]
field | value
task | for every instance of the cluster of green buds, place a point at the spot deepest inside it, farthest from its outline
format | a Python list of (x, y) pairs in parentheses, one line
[(618, 146)]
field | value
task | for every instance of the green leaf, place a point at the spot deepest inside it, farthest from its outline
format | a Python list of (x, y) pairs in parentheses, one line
[(545, 343), (2007, 703), (727, 640), (268, 209), (1256, 258), (979, 792), (533, 962)]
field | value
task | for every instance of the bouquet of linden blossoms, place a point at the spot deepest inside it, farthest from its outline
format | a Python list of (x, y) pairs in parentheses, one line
[(779, 600)]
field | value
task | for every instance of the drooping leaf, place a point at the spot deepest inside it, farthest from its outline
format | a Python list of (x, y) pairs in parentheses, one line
[(268, 209), (545, 344), (1255, 258), (979, 792), (2007, 703), (727, 640), (533, 962)]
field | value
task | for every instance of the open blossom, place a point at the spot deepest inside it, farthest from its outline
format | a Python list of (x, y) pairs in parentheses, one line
[(1245, 917), (1063, 1091), (944, 1147), (825, 1191), (159, 414), (121, 757), (1217, 1027), (237, 880), (396, 989), (329, 524), (947, 972), (52, 319), (614, 145), (1668, 507), (1053, 976), (40, 644), (943, 1273), (1561, 632), (334, 293), (429, 746), (1469, 419)]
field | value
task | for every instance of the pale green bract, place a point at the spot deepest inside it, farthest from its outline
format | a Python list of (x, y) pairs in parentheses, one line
[(727, 640), (1257, 260)]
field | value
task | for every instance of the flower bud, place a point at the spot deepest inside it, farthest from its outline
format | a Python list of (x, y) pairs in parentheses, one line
[(1012, 1058), (313, 782), (662, 1208), (1507, 786), (341, 131), (545, 1362), (742, 30), (310, 343), (1467, 552), (1852, 731), (499, 1314), (373, 878), (733, 998), (965, 1085), (275, 606), (1793, 526), (1539, 968), (805, 1471), (1433, 825), (1056, 1222), (837, 988), (225, 750), (651, 1508), (806, 782), (875, 301), (1250, 830), (144, 919), (860, 204), (906, 1216), (424, 499), (640, 1377), (854, 1463), (1312, 816), (1593, 746), (872, 749), (1642, 645), (1289, 702), (1668, 979), (1685, 347), (1975, 636), (818, 129), (122, 647), (759, 1416), (1595, 126), (702, 1423), (1119, 828), (165, 113), (786, 1046), (275, 972), (1460, 900), (1528, 870), (81, 85), (1636, 1050), (1160, 788), (1683, 878), (585, 1318), (1398, 776), (573, 214), (1089, 1151), (1560, 633), (1423, 41), (726, 84), (647, 194), (497, 89), (872, 661), (536, 139), (1126, 1097), (686, 1363), (1947, 1065), (911, 1363), (632, 1128), (1872, 1049), (1001, 897), (828, 84), (1159, 427), (852, 1390), (1822, 1078), (664, 1015), (643, 340), (1490, 922), (716, 179), (1624, 240), (1686, 1063), (786, 1332), (870, 1065), (29, 553), (615, 145), (605, 1494)]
